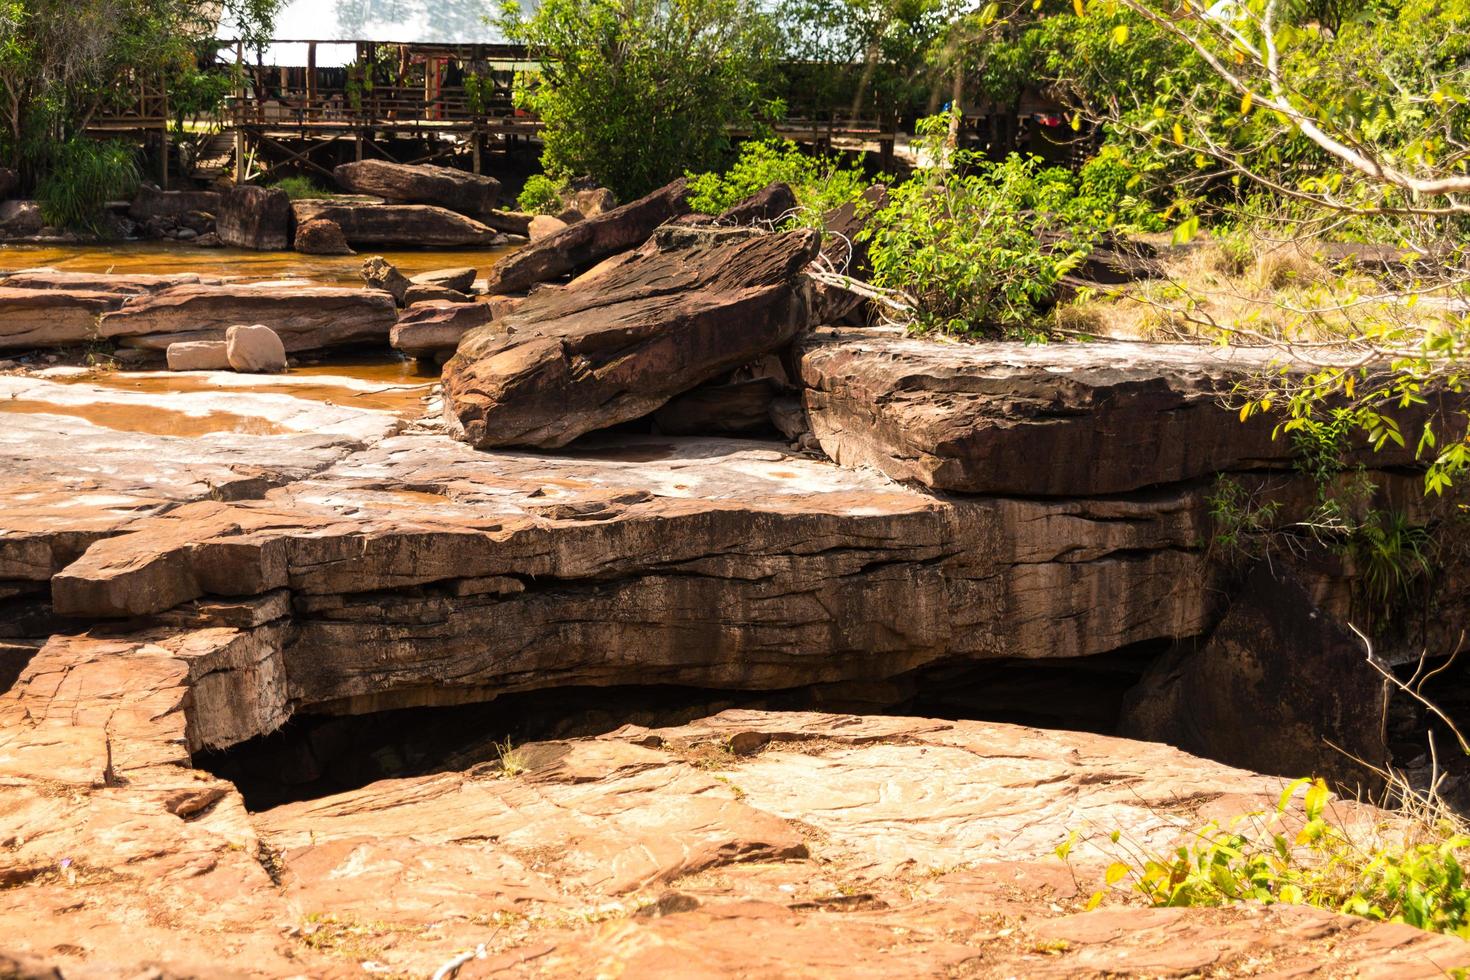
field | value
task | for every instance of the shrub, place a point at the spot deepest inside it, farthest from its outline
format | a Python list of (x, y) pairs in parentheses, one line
[(541, 195), (962, 249), (81, 176), (820, 183), (1407, 870), (297, 188)]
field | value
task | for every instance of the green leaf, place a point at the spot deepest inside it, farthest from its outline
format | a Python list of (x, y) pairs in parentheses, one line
[(1186, 230)]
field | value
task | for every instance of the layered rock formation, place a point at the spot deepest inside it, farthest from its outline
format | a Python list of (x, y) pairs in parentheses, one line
[(688, 307), (401, 225), (445, 187)]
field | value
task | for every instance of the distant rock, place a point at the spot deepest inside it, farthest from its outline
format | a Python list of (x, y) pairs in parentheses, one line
[(588, 242), (20, 219), (254, 349), (545, 225), (766, 206), (381, 274), (321, 236), (400, 225), (32, 318), (457, 190), (257, 218), (150, 202), (461, 279)]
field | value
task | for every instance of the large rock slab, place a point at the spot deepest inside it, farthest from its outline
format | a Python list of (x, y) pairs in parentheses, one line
[(257, 218), (1045, 419), (446, 187), (433, 330), (61, 317), (588, 242), (402, 225), (685, 309), (305, 317), (120, 284)]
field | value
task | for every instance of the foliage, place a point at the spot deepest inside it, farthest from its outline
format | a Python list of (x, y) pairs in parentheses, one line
[(297, 188), (1390, 556), (1413, 876), (1242, 521), (819, 182), (81, 177), (960, 241), (635, 93), (541, 195)]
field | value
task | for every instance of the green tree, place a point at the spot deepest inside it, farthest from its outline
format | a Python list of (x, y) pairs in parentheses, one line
[(635, 92)]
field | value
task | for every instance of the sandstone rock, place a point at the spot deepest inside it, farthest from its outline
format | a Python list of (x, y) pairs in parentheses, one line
[(508, 222), (543, 226), (151, 202), (321, 236), (32, 318), (254, 349), (765, 207), (433, 330), (731, 408), (589, 202), (432, 294), (579, 359), (305, 317), (256, 218), (1054, 420), (118, 284), (841, 226), (588, 242), (383, 275), (460, 279), (403, 225), (1238, 699), (20, 219), (199, 355), (457, 190)]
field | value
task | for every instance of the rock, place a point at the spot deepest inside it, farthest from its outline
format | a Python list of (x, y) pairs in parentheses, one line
[(117, 284), (305, 317), (20, 219), (1238, 699), (254, 349), (257, 218), (570, 216), (433, 330), (321, 236), (9, 183), (589, 202), (467, 193), (508, 222), (543, 226), (732, 408), (429, 294), (187, 234), (31, 318), (208, 240), (1051, 420), (765, 207), (571, 361), (401, 225), (588, 242), (841, 226), (151, 202), (199, 355), (460, 279), (383, 275)]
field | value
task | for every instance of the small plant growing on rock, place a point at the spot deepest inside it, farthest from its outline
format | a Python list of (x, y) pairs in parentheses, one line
[(512, 762), (541, 195)]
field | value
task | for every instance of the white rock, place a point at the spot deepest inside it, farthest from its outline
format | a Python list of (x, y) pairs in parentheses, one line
[(198, 355), (255, 349)]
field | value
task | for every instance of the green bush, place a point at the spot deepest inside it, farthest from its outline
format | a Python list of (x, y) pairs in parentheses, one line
[(541, 195), (81, 176), (820, 183), (958, 242), (297, 188), (1405, 871)]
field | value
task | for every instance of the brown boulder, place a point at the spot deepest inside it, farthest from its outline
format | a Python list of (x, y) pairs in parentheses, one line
[(118, 284), (446, 187), (432, 330), (509, 222), (256, 218), (416, 294), (383, 275), (766, 206), (51, 317), (405, 225), (544, 226), (321, 236), (691, 305), (461, 279), (198, 355), (151, 202), (589, 202), (588, 242), (305, 317)]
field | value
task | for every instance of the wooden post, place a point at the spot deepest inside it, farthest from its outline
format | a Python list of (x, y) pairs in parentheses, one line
[(239, 113), (311, 79)]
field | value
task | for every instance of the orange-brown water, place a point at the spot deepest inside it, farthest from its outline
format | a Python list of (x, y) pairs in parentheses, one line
[(160, 257), (149, 419)]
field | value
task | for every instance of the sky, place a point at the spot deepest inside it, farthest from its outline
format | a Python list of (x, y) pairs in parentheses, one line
[(422, 21)]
